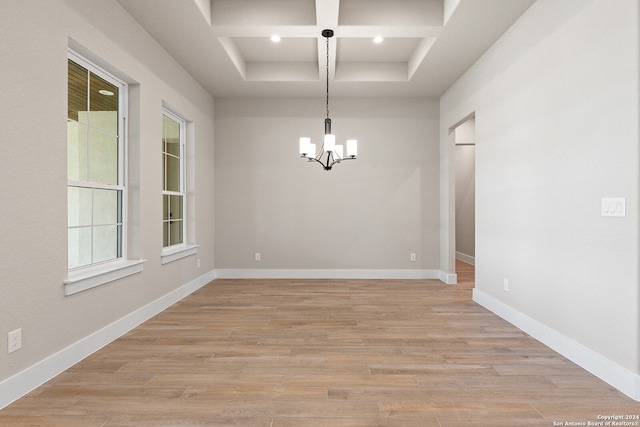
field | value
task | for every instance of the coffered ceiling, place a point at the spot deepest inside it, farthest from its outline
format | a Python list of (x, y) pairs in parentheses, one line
[(226, 44)]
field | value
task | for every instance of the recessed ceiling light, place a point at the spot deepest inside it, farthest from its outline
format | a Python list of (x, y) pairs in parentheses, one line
[(378, 39), (275, 38), (105, 92)]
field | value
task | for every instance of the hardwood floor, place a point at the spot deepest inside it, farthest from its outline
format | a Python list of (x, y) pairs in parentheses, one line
[(466, 274), (320, 353)]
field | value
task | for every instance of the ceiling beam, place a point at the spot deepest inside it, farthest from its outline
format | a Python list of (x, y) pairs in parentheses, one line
[(327, 14)]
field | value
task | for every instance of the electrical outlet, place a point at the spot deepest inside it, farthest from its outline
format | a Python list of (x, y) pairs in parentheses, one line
[(412, 257), (198, 263), (506, 285), (14, 341), (257, 256)]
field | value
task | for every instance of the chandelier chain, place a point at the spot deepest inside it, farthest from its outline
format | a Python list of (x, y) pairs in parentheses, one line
[(327, 77)]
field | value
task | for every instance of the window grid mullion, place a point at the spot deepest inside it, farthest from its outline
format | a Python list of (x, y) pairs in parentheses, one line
[(164, 160), (87, 126), (169, 221), (96, 185), (172, 155), (91, 222), (164, 153)]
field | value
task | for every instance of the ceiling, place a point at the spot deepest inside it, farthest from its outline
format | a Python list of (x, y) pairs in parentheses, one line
[(226, 44)]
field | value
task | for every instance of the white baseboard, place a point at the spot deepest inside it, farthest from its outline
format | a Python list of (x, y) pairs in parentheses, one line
[(24, 382), (448, 278), (466, 258), (617, 376), (326, 274)]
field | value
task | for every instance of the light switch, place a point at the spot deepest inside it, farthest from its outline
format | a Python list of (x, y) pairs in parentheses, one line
[(614, 207)]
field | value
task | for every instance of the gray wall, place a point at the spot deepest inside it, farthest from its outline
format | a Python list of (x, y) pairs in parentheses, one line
[(369, 214), (557, 119), (33, 221)]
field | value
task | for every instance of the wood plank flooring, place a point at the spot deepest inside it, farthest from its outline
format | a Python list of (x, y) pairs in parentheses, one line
[(320, 353), (466, 274)]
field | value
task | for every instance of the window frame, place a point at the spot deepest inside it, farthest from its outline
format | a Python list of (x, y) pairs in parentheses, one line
[(182, 175), (183, 249), (87, 276)]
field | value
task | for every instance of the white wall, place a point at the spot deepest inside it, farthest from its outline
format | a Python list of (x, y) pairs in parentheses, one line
[(33, 220), (557, 119), (367, 214)]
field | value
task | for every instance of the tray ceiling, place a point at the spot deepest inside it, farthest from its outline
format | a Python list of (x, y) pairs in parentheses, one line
[(226, 44)]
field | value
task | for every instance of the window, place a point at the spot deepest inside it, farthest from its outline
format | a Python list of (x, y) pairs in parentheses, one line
[(173, 193), (96, 191), (94, 161), (177, 226)]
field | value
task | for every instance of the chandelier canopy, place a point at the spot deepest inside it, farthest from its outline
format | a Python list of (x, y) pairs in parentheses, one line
[(329, 153)]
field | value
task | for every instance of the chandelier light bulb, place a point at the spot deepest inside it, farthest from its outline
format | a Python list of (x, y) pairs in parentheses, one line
[(352, 148), (305, 144), (329, 143)]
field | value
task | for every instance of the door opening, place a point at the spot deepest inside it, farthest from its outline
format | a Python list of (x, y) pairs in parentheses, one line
[(465, 183)]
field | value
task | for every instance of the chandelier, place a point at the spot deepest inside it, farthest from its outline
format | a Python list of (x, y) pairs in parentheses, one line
[(329, 153)]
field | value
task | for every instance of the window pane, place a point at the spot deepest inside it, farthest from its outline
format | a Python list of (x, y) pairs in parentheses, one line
[(104, 105), (165, 207), (175, 232), (103, 158), (79, 247), (106, 242), (165, 234), (171, 136), (172, 173), (76, 151), (79, 206), (77, 92), (106, 205), (173, 147), (175, 207)]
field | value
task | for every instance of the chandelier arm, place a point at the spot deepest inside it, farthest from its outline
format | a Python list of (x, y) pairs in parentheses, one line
[(326, 166), (314, 159), (341, 160)]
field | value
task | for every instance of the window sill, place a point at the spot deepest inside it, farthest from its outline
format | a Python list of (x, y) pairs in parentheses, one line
[(81, 280), (175, 253)]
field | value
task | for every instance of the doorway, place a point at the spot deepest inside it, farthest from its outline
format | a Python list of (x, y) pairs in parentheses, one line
[(465, 183)]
